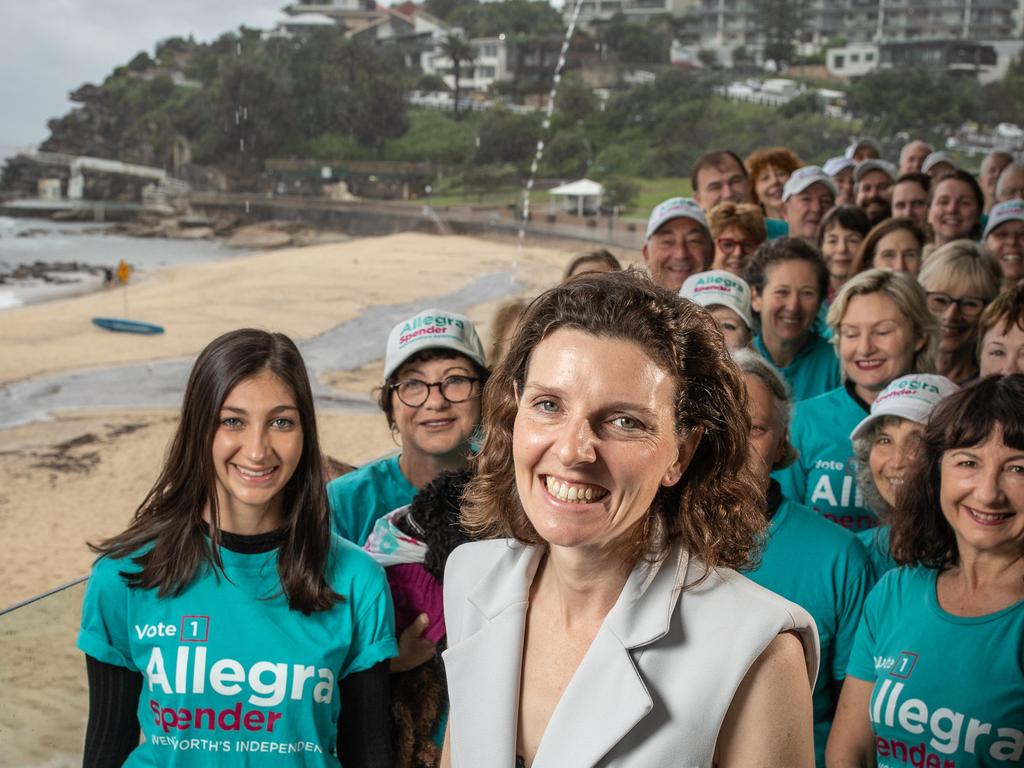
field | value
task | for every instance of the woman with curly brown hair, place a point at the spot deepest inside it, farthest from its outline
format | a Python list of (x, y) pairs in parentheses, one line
[(768, 169), (935, 673), (606, 619)]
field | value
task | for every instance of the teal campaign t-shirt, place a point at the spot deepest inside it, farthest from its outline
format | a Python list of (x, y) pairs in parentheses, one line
[(824, 477), (232, 675), (948, 690), (876, 542), (814, 370), (360, 498), (825, 570), (776, 228)]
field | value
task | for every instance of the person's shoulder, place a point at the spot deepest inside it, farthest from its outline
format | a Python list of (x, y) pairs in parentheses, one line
[(368, 473), (826, 399), (349, 562), (758, 613), (475, 558), (825, 533), (106, 568), (750, 602), (903, 585)]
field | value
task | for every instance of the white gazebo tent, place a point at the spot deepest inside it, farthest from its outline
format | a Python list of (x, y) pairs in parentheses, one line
[(583, 196)]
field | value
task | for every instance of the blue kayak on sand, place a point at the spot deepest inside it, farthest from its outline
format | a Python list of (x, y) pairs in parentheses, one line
[(126, 326)]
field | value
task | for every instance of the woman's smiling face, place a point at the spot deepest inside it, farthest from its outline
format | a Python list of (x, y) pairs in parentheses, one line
[(594, 438)]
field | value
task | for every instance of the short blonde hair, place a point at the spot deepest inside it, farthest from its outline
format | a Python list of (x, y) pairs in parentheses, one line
[(963, 262), (910, 299), (746, 217)]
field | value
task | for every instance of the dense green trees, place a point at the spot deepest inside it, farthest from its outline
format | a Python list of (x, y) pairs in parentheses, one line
[(255, 99), (934, 105)]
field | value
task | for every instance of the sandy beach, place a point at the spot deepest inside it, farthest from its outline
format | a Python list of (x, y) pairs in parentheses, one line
[(79, 475)]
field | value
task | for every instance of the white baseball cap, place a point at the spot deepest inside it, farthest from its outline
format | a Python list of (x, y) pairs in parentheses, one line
[(432, 329), (836, 165), (1009, 210), (934, 159), (721, 288), (910, 397), (802, 178), (875, 165), (675, 208)]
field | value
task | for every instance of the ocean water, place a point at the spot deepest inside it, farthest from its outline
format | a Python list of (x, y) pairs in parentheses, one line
[(26, 241)]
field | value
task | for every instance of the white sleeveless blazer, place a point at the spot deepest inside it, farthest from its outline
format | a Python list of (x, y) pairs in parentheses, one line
[(655, 684)]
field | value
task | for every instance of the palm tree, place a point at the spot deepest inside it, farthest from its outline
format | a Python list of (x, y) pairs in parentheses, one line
[(456, 48)]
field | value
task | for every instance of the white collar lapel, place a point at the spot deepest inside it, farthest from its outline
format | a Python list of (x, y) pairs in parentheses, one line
[(607, 696), (484, 670)]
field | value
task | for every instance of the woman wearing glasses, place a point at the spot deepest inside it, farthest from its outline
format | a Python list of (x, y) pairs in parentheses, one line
[(960, 279), (737, 230), (434, 371)]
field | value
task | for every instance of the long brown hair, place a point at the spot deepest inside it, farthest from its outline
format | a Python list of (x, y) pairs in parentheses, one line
[(920, 532), (168, 535), (717, 507)]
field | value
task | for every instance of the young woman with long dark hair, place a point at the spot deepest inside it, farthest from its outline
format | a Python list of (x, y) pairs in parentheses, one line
[(226, 621)]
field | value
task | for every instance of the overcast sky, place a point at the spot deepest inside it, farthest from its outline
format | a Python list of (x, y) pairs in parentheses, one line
[(50, 47)]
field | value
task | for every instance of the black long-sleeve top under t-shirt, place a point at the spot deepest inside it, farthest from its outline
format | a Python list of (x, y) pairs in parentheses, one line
[(364, 727)]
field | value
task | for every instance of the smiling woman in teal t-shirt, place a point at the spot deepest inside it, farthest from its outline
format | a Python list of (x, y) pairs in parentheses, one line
[(936, 675), (226, 622)]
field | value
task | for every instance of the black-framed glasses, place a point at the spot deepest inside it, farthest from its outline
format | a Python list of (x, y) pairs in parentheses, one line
[(969, 306), (454, 389)]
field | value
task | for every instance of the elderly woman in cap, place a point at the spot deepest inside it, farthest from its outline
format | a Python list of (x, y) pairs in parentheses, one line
[(1001, 330), (806, 559), (602, 624), (955, 203), (737, 229), (840, 170), (960, 280), (885, 444), (677, 243), (882, 330), (935, 675), (768, 169), (434, 371), (1004, 239), (727, 298)]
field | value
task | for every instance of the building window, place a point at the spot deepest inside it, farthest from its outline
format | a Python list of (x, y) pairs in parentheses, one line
[(854, 58), (869, 57), (490, 50), (838, 61)]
